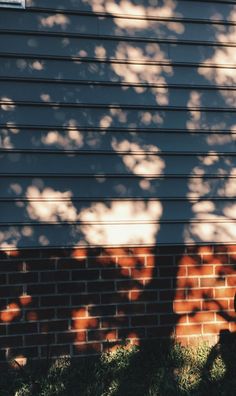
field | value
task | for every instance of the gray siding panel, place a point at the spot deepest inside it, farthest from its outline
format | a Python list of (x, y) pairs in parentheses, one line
[(117, 124)]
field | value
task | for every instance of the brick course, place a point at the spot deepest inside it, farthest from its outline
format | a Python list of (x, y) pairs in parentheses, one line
[(79, 301)]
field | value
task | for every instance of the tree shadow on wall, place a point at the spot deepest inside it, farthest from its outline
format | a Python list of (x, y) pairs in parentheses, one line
[(130, 118)]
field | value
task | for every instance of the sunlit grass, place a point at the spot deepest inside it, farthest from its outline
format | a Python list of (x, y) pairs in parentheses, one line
[(151, 370)]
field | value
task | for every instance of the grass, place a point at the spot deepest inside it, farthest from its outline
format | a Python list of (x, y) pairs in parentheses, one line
[(154, 369)]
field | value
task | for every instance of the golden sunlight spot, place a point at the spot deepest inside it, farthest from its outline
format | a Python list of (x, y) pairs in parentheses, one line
[(27, 231), (25, 299), (105, 121), (55, 20), (210, 159), (141, 163), (176, 27), (37, 65), (79, 313), (100, 52), (85, 323), (10, 313), (60, 208), (108, 227), (45, 97), (19, 360), (230, 211), (127, 7), (145, 184), (203, 206), (9, 106)]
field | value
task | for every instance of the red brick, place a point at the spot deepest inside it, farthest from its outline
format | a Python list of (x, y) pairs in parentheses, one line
[(39, 339), (102, 335), (92, 348), (159, 307), (195, 294), (186, 260), (159, 331), (130, 309), (100, 286), (40, 314), (82, 275), (102, 310), (11, 265), (71, 287), (212, 282), (131, 261), (231, 280), (169, 319), (160, 260), (129, 285), (224, 292), (188, 329), (85, 299), (40, 264), (112, 298), (187, 282), (100, 262), (79, 312), (131, 333), (158, 284), (71, 264), (116, 322), (23, 277), (172, 271), (214, 328), (215, 305), (11, 291), (145, 295), (51, 276), (202, 270), (114, 273), (55, 301), (28, 352), (7, 342), (55, 350), (144, 320), (22, 328), (3, 328), (40, 289), (199, 317), (54, 325), (84, 323), (186, 306), (71, 337)]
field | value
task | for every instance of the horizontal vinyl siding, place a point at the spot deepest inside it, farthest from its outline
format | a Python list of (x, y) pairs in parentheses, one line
[(117, 125), (47, 139)]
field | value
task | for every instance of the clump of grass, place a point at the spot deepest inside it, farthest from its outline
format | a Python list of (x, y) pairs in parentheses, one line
[(153, 369)]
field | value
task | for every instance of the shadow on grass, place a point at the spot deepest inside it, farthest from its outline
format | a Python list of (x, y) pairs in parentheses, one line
[(163, 368)]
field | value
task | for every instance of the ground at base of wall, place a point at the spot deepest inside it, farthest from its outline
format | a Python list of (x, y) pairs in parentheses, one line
[(157, 368)]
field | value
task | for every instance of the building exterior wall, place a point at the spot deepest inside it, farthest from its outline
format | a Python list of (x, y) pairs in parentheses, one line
[(84, 301), (118, 133)]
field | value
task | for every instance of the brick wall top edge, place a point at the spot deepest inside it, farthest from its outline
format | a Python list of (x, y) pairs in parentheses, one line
[(80, 251)]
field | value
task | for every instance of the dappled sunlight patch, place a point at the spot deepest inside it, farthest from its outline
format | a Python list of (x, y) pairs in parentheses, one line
[(142, 162), (121, 223), (51, 205), (10, 313), (127, 7), (8, 104), (55, 20)]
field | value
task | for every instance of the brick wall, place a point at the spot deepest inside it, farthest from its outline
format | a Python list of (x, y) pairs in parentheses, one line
[(83, 301)]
